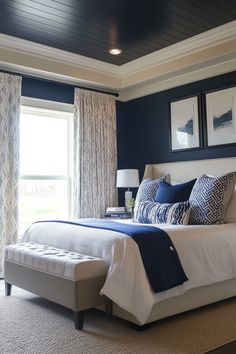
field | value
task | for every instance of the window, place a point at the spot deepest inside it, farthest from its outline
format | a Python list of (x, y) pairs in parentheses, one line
[(45, 165)]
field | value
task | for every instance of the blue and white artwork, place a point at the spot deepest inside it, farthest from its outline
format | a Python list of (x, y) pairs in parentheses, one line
[(187, 127), (184, 124), (220, 111), (223, 120)]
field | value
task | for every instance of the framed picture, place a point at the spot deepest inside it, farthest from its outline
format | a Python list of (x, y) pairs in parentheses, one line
[(184, 124), (221, 117)]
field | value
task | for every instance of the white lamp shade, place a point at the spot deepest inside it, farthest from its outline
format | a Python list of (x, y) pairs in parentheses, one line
[(127, 178)]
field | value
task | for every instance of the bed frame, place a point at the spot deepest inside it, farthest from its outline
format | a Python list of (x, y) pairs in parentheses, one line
[(194, 298)]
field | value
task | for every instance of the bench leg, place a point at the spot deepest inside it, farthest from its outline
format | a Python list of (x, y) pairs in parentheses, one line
[(7, 289), (140, 328), (78, 319)]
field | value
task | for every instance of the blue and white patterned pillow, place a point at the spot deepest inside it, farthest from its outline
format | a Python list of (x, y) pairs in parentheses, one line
[(209, 199), (148, 188), (156, 213)]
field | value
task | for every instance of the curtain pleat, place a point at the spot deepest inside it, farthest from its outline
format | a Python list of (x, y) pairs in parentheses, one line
[(10, 93), (95, 153)]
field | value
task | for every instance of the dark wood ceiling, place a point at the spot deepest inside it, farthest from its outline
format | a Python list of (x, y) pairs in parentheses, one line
[(92, 27)]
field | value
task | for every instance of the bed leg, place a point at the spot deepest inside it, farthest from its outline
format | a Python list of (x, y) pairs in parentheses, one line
[(78, 319), (108, 306), (8, 287), (137, 327)]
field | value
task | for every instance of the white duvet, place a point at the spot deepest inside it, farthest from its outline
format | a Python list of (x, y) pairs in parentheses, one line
[(207, 254)]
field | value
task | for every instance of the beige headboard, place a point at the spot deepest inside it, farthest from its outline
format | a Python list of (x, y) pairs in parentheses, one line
[(184, 170)]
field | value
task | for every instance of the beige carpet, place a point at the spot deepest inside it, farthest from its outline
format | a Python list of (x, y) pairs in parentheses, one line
[(31, 325)]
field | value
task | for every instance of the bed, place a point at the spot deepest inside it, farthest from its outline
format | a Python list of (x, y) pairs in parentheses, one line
[(207, 254)]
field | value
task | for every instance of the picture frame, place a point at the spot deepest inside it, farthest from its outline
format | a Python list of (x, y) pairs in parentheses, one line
[(185, 124), (220, 112)]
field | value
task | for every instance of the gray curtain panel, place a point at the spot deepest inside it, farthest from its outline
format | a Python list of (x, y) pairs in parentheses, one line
[(10, 93), (95, 153)]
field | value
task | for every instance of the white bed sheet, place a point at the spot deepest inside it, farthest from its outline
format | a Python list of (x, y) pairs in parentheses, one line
[(207, 254)]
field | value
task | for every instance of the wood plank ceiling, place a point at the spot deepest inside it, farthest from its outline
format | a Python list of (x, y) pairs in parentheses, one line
[(92, 27)]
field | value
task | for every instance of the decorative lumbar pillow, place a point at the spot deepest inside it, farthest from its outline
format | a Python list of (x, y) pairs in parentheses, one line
[(148, 188), (173, 194), (209, 199), (156, 213)]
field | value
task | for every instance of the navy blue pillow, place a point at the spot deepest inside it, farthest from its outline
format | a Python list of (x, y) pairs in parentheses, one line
[(174, 194)]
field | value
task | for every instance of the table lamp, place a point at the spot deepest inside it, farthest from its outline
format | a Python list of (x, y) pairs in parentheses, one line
[(127, 179)]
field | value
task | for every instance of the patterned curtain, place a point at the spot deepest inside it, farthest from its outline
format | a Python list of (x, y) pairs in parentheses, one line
[(10, 92), (95, 162)]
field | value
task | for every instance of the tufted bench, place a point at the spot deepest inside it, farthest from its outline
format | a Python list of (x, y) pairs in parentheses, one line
[(70, 279)]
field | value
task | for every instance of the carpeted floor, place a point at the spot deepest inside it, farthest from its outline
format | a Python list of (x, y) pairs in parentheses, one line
[(31, 325)]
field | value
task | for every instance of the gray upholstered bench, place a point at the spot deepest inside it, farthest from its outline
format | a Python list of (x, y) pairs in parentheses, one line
[(70, 279)]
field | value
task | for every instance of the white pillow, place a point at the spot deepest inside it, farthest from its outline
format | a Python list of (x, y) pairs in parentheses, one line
[(230, 215)]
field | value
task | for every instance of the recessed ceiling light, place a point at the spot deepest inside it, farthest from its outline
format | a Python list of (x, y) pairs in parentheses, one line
[(115, 51)]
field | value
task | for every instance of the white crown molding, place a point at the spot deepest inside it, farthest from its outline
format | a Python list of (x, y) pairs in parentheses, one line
[(179, 78), (48, 75), (178, 50), (199, 57), (46, 52), (53, 69)]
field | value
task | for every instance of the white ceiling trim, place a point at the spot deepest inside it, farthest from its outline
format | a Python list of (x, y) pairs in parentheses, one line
[(208, 54), (58, 77), (46, 52), (182, 77), (178, 50)]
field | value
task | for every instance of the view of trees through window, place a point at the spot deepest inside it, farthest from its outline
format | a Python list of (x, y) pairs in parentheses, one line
[(45, 179)]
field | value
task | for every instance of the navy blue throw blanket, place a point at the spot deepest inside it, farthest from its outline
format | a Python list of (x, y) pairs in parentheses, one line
[(159, 256)]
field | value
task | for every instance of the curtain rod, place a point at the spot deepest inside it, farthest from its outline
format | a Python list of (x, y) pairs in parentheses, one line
[(116, 94)]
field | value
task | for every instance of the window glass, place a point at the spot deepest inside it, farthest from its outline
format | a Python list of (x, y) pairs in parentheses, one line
[(42, 200), (43, 145), (45, 173)]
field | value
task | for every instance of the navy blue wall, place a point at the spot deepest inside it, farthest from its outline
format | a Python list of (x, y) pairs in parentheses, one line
[(47, 90), (143, 126)]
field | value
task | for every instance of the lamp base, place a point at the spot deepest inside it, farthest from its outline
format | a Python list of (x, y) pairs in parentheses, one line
[(128, 203)]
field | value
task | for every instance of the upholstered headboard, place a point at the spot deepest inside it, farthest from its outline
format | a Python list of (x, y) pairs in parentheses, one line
[(185, 170)]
